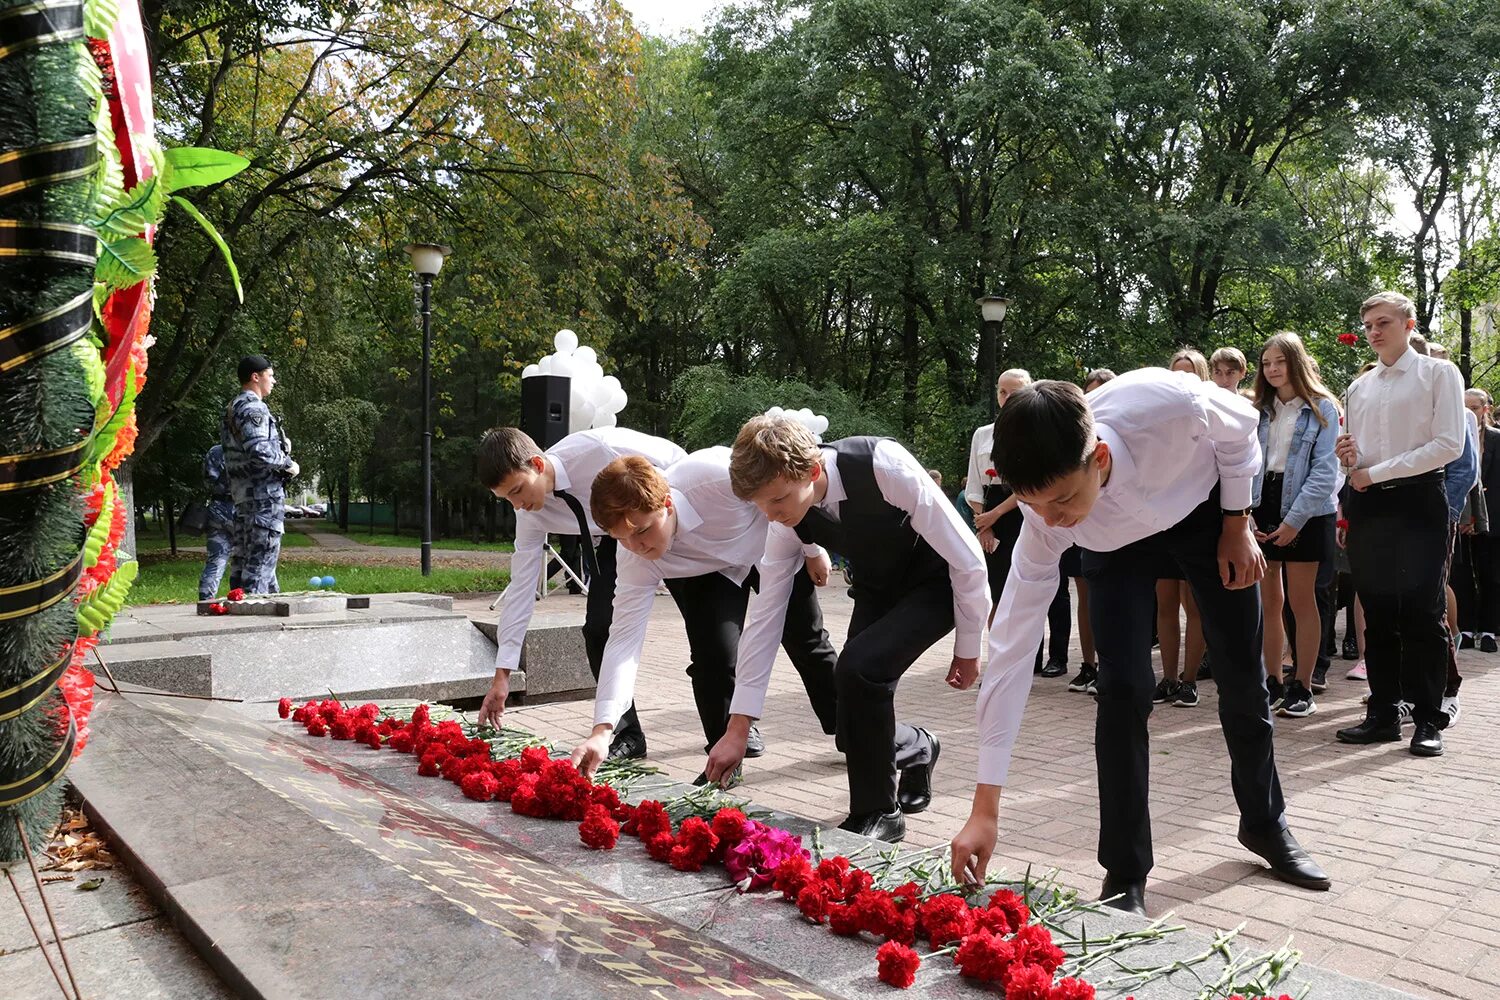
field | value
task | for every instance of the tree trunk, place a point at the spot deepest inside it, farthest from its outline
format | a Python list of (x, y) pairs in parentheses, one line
[(126, 495), (171, 527), (911, 350)]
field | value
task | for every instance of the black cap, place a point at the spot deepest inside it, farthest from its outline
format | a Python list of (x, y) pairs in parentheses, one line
[(250, 364)]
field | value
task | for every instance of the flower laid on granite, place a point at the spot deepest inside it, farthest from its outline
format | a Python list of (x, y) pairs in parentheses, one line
[(219, 608), (898, 903), (237, 594)]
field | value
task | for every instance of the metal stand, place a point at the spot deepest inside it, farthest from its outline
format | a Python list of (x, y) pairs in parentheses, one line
[(541, 584)]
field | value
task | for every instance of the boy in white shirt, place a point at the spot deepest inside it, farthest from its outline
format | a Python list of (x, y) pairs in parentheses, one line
[(1154, 467)]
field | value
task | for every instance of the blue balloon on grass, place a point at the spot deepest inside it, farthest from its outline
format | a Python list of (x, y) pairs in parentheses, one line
[(328, 581), (315, 582)]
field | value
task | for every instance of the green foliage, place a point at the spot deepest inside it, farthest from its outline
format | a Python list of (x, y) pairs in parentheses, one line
[(712, 405), (165, 580), (194, 166)]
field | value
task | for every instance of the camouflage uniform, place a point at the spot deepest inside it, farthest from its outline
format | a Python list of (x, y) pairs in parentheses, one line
[(257, 456), (220, 526)]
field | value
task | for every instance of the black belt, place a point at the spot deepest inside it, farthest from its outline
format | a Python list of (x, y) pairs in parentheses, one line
[(1425, 479)]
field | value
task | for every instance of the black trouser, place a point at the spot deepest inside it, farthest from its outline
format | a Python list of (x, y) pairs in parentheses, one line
[(997, 565), (599, 613), (1327, 595), (713, 613), (887, 632), (1122, 607), (1476, 583), (1398, 538)]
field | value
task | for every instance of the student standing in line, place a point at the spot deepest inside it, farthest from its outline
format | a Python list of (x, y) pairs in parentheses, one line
[(1174, 598)]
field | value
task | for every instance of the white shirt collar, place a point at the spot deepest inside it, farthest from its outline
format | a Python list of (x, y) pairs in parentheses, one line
[(836, 493), (560, 480)]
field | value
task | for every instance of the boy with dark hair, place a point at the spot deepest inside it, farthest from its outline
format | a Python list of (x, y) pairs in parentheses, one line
[(918, 574), (1153, 468), (550, 492), (683, 526)]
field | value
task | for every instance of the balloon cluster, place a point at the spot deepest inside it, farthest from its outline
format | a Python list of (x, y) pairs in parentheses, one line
[(319, 582), (594, 398), (815, 423)]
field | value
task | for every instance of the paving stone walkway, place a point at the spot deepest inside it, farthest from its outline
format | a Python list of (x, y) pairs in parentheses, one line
[(1413, 845)]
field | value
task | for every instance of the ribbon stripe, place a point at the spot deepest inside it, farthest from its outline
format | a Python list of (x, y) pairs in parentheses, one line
[(20, 791), (30, 598), (52, 240), (14, 701), (50, 164), (48, 332), (35, 24)]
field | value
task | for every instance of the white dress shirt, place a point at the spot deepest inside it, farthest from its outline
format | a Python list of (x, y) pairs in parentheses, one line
[(981, 465), (716, 532), (1279, 440), (904, 484), (1407, 418), (1171, 437), (575, 461)]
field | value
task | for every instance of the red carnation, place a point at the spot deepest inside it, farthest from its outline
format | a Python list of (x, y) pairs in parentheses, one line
[(898, 964), (430, 766), (905, 932), (368, 736), (284, 707), (479, 785), (985, 956), (1013, 907), (237, 594), (604, 795), (990, 472), (660, 846), (526, 800), (218, 609), (1027, 982), (794, 872), (650, 820), (843, 919), (598, 829), (315, 728), (421, 715), (508, 774), (1342, 524), (401, 741), (1033, 945), (730, 826), (1349, 339), (813, 902), (944, 919), (369, 710), (907, 895), (1076, 989), (341, 728)]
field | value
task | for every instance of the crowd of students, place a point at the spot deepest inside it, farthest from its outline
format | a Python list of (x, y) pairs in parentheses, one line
[(1165, 495)]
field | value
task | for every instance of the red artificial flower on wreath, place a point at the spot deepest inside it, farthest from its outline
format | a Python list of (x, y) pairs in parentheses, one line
[(897, 964), (284, 707), (1027, 982), (237, 594), (479, 786), (1348, 339), (984, 956), (598, 830)]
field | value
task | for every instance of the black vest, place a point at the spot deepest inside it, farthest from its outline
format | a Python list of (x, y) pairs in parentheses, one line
[(884, 551)]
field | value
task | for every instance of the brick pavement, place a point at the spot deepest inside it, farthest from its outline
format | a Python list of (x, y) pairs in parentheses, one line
[(1413, 845)]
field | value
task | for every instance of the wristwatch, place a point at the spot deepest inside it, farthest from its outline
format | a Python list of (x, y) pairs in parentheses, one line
[(1242, 512)]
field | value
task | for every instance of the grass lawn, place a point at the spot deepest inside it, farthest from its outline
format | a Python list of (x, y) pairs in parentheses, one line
[(389, 541), (165, 580), (152, 537)]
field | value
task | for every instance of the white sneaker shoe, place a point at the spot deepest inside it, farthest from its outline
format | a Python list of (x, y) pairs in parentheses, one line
[(1450, 707), (1403, 713), (1357, 672)]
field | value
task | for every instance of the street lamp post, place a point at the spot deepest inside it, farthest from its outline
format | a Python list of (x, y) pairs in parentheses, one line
[(427, 261), (992, 309)]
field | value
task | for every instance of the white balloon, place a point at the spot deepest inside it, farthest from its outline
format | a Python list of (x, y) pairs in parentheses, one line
[(612, 382), (775, 411), (562, 364), (531, 370), (596, 371), (605, 420), (566, 341), (544, 367), (580, 415), (819, 424), (585, 356)]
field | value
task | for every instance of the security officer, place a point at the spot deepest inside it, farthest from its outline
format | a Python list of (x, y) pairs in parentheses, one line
[(257, 456), (220, 526)]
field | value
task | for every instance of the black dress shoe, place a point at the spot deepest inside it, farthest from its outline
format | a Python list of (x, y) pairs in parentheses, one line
[(1288, 861), (1372, 730), (628, 746), (889, 827), (1131, 895), (755, 746), (915, 791), (1487, 644), (1466, 640), (1427, 741), (1351, 647), (1055, 668)]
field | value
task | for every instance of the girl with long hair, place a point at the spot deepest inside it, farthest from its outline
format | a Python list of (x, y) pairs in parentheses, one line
[(1294, 504)]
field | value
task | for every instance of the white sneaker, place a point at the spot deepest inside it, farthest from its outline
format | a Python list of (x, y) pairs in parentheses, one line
[(1357, 672), (1403, 713), (1450, 707)]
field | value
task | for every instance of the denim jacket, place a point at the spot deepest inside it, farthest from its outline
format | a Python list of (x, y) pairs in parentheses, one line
[(1311, 467), (1460, 474)]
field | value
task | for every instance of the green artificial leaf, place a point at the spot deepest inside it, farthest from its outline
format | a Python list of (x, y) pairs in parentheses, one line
[(193, 166), (125, 263), (213, 234), (99, 17), (139, 207), (90, 885)]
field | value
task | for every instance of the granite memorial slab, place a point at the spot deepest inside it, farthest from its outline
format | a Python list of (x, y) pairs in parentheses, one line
[(282, 607)]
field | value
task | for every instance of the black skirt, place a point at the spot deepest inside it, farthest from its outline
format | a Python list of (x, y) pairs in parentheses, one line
[(1314, 543)]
